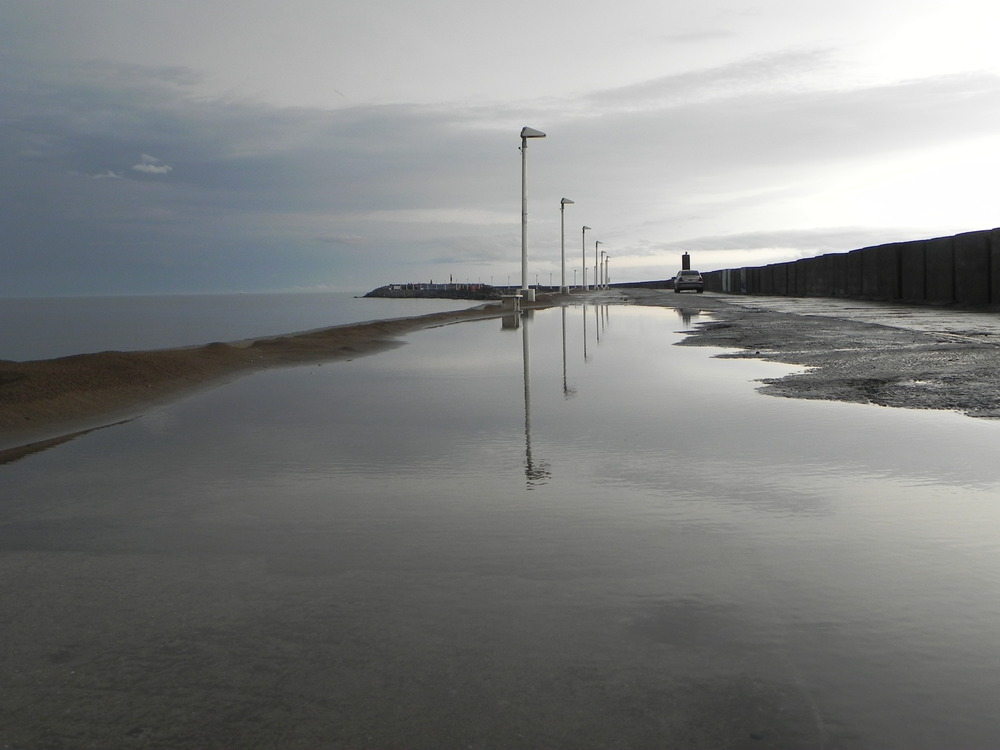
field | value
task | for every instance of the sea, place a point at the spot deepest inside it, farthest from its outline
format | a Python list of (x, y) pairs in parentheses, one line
[(34, 328)]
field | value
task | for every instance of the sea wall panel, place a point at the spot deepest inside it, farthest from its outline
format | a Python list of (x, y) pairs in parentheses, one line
[(972, 268), (940, 260), (913, 272), (887, 261), (963, 269)]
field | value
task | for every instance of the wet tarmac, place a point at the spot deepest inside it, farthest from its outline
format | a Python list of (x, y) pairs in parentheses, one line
[(966, 324)]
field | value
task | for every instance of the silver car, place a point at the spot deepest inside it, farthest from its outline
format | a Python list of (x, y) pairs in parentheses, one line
[(689, 280)]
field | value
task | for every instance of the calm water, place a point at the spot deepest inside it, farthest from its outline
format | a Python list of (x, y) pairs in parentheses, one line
[(41, 328), (569, 534)]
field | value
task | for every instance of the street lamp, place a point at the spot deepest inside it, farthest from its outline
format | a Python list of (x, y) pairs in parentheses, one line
[(526, 133), (584, 261), (596, 266), (563, 289), (607, 279), (603, 253)]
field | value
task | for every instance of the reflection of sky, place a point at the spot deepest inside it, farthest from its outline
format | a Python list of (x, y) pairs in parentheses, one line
[(645, 413), (686, 522), (646, 417)]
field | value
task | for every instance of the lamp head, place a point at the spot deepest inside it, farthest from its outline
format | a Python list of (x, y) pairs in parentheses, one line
[(527, 132), (586, 228), (566, 202)]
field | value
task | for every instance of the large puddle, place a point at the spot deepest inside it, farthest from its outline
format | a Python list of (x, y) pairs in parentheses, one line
[(564, 533)]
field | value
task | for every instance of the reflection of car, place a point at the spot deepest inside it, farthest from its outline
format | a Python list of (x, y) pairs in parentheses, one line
[(689, 280)]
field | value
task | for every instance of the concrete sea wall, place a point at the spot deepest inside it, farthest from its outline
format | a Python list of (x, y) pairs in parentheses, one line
[(963, 269)]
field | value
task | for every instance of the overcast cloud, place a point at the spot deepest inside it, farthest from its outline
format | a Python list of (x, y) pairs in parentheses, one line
[(223, 146)]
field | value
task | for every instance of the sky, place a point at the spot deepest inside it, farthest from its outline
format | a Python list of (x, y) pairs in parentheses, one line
[(219, 146)]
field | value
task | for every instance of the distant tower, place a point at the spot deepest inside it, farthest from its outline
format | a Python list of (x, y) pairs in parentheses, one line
[(685, 262)]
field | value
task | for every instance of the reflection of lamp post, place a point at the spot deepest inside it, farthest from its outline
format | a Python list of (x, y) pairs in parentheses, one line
[(535, 472), (563, 289), (596, 282), (584, 263), (526, 133), (568, 392)]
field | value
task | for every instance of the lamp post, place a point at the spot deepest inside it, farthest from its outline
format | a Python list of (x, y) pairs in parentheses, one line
[(583, 263), (607, 279), (563, 289), (526, 133), (596, 266), (603, 253)]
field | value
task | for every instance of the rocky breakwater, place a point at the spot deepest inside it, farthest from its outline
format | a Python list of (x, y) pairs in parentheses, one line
[(437, 291)]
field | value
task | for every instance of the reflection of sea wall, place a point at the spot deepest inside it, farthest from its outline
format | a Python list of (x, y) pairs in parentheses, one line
[(436, 291), (963, 269), (662, 284)]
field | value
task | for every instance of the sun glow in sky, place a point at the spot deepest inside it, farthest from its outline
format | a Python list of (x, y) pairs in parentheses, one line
[(243, 145)]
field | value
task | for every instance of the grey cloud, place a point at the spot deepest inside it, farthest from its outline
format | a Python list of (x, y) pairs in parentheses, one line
[(243, 212), (761, 142), (152, 168), (124, 74), (759, 74), (807, 241), (342, 239), (696, 37), (133, 181), (475, 249), (151, 165)]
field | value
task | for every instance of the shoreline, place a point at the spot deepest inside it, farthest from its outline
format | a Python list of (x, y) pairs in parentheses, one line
[(49, 401), (44, 402)]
